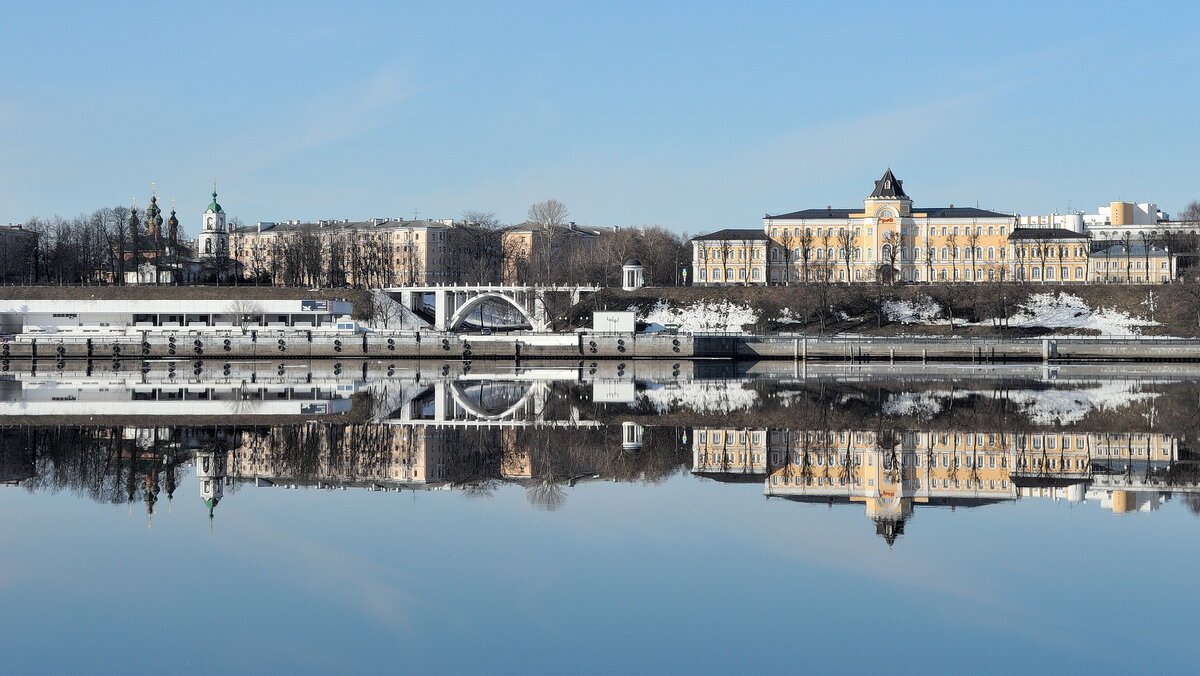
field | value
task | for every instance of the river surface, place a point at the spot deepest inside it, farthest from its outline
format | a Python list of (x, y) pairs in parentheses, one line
[(651, 517)]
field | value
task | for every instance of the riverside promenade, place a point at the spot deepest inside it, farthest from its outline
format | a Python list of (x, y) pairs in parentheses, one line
[(293, 344)]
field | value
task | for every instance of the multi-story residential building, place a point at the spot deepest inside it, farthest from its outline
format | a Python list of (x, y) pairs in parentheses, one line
[(1116, 263), (383, 456), (886, 239), (1049, 255), (378, 252), (535, 251), (17, 259)]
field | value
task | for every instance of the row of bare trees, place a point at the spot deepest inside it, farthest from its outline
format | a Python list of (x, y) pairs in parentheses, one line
[(93, 248)]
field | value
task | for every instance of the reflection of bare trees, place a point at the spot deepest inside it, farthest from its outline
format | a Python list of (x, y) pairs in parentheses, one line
[(546, 494)]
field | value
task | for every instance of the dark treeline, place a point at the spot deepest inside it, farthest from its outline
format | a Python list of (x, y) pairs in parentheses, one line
[(102, 246), (116, 464), (95, 248)]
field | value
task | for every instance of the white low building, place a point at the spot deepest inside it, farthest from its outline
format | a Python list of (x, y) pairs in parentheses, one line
[(79, 316)]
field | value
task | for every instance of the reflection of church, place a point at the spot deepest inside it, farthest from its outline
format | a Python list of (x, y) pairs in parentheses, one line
[(891, 472)]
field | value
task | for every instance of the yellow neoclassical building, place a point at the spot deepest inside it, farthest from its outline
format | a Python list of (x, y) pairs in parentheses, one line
[(887, 238)]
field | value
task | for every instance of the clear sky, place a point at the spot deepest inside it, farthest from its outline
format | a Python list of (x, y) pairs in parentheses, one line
[(693, 116)]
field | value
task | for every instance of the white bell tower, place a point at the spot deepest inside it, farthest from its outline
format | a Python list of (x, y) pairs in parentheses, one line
[(214, 234), (210, 471)]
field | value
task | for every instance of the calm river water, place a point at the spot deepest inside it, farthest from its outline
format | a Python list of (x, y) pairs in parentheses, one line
[(594, 517)]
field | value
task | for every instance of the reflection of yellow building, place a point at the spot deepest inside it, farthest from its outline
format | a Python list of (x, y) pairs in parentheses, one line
[(891, 471), (729, 451)]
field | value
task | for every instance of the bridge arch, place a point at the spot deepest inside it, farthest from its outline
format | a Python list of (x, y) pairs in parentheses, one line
[(473, 304)]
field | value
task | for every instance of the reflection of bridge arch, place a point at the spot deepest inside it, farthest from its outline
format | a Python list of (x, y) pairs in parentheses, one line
[(531, 391), (460, 315)]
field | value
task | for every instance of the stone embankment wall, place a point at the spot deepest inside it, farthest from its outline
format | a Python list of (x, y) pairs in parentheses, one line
[(378, 345), (429, 345)]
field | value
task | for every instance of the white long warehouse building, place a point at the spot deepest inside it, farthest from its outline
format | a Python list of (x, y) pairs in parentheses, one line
[(124, 316)]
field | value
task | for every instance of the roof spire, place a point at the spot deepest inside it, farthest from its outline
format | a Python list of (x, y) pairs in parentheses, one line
[(889, 186)]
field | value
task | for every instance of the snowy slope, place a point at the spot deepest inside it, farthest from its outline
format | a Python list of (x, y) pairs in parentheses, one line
[(701, 316)]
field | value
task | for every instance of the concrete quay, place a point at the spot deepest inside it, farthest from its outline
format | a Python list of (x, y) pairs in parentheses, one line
[(286, 345)]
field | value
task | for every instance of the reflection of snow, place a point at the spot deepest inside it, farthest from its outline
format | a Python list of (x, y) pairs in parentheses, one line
[(702, 398), (702, 316), (1062, 406), (1067, 407), (920, 310), (914, 403), (1068, 311)]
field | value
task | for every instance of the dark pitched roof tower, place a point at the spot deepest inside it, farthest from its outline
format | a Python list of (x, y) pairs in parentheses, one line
[(889, 186)]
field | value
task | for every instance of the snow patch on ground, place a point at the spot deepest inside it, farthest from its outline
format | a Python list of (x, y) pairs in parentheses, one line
[(920, 310), (702, 398), (702, 316), (786, 317), (1051, 310), (392, 315), (1068, 311)]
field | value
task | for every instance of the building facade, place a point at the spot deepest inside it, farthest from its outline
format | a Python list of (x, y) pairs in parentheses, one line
[(378, 252), (17, 259), (886, 239), (1049, 255), (1117, 263)]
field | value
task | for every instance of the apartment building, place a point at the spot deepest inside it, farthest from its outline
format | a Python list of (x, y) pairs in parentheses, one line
[(17, 261), (378, 252)]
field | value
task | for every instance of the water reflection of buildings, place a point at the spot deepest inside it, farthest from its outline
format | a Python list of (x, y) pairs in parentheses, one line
[(169, 396), (892, 472)]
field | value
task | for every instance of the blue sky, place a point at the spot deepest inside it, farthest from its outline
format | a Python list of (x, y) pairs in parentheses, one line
[(694, 117)]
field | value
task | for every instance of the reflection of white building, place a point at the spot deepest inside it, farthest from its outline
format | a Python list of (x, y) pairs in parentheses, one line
[(91, 396), (210, 471)]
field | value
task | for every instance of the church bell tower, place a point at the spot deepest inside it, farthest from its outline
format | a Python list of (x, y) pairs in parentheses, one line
[(214, 233)]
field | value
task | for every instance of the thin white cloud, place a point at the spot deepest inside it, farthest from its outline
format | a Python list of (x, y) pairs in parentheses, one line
[(331, 116)]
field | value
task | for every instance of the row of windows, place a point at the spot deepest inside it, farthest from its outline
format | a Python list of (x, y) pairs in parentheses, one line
[(961, 484), (910, 231), (730, 275), (719, 436), (1051, 252)]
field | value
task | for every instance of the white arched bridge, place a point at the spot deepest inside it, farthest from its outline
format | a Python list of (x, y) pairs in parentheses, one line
[(454, 304)]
